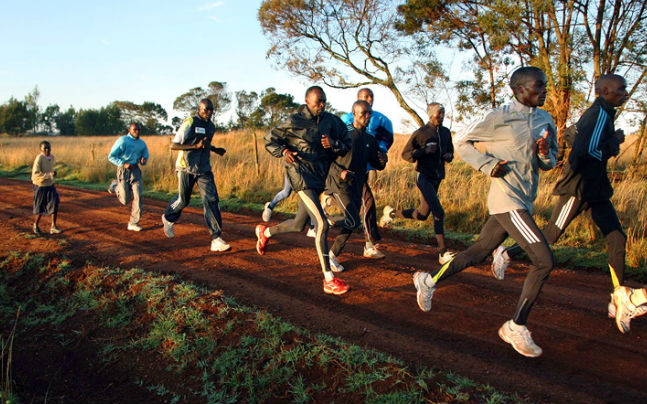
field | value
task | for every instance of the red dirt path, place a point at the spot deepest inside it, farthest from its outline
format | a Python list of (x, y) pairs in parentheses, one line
[(585, 360)]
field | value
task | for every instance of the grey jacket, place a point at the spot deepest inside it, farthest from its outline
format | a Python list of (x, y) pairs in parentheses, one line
[(509, 133)]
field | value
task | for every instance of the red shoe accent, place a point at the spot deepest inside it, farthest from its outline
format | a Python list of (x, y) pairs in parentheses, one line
[(262, 240), (335, 287)]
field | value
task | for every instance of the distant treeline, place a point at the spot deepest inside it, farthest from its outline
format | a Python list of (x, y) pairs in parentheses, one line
[(251, 110)]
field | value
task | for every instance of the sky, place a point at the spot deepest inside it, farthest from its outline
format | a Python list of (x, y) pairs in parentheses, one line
[(89, 53)]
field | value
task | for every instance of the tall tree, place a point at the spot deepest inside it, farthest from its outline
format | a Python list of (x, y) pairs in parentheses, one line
[(15, 117), (65, 121), (276, 106), (33, 111), (247, 109), (215, 91), (150, 115), (48, 117), (346, 43)]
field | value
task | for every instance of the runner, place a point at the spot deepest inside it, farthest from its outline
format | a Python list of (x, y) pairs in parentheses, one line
[(46, 198), (516, 140), (193, 165), (347, 177), (430, 147), (308, 142), (381, 128), (585, 186), (128, 152)]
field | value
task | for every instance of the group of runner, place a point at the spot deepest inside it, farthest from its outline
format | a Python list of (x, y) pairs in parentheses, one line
[(333, 159)]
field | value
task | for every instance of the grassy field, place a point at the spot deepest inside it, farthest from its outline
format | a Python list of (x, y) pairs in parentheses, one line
[(462, 193)]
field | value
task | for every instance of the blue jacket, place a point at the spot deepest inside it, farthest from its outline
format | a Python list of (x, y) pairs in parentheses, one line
[(379, 126), (129, 150)]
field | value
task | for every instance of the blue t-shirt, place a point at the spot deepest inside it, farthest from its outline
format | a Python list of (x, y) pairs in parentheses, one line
[(129, 150)]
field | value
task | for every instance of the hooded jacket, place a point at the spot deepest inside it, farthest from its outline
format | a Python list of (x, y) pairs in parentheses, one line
[(302, 133), (510, 133), (585, 175)]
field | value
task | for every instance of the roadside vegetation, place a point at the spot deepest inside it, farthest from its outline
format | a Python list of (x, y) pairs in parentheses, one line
[(183, 343), (249, 183)]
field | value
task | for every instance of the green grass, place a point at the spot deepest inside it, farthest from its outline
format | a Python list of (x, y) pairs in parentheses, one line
[(218, 350)]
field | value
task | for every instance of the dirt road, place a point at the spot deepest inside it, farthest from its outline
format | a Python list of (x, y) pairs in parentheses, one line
[(585, 360)]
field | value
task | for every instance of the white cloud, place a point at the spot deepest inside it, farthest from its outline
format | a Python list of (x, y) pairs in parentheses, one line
[(214, 18), (211, 5)]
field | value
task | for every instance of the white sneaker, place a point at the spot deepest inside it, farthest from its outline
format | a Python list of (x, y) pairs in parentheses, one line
[(519, 337), (424, 293), (311, 232), (267, 212), (446, 257), (134, 227), (640, 310), (625, 310), (335, 266), (500, 261), (218, 244), (373, 252), (326, 201), (112, 187), (386, 218), (168, 227)]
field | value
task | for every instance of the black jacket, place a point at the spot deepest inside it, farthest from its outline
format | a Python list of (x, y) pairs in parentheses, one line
[(364, 150), (432, 165), (585, 175), (302, 133)]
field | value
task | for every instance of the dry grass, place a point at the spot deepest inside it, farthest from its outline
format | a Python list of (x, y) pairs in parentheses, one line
[(462, 193)]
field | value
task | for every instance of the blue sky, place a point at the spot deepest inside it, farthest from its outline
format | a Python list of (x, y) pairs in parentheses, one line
[(90, 53)]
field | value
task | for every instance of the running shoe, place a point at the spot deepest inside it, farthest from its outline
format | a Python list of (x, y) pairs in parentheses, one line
[(640, 310), (335, 286), (311, 232), (519, 337), (218, 244), (373, 252), (168, 227), (112, 187), (625, 309), (261, 239), (134, 227), (267, 212), (500, 261), (446, 257), (335, 266), (424, 293), (36, 230), (55, 230), (387, 217)]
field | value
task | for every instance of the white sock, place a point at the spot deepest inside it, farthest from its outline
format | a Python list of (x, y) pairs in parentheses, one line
[(369, 245), (516, 327), (329, 276), (266, 233)]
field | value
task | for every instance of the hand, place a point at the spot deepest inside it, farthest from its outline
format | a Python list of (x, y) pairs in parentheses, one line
[(142, 161), (448, 156), (620, 135), (219, 151), (289, 156), (325, 141), (201, 144), (347, 175), (543, 146), (431, 147), (127, 166), (500, 169), (382, 158)]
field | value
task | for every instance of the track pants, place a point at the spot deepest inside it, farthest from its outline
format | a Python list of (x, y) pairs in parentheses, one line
[(129, 187), (282, 194), (371, 233), (350, 205), (309, 207), (519, 225), (208, 193), (429, 203), (604, 216)]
